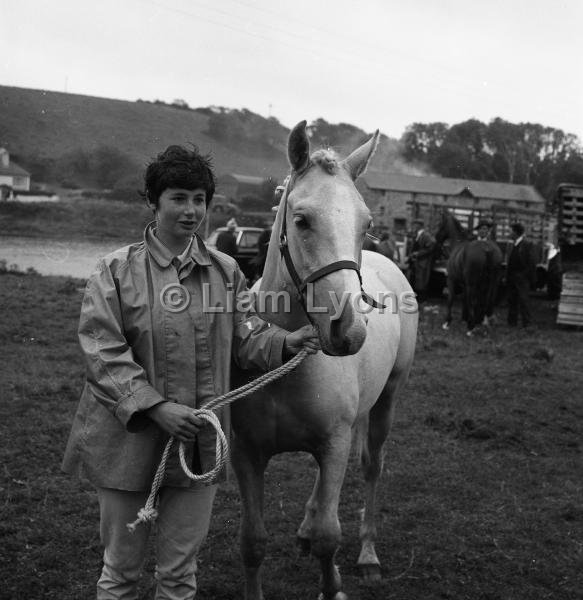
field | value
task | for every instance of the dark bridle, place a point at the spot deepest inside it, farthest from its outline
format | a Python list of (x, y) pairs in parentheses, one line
[(339, 265)]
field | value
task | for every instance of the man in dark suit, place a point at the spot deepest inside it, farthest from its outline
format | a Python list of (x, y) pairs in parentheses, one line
[(421, 259), (227, 240), (520, 277)]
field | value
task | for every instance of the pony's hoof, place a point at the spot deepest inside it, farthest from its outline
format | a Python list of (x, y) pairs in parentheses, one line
[(336, 596), (445, 326), (304, 546), (370, 573)]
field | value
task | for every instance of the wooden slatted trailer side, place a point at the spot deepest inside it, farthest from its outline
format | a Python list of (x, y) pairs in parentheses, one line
[(570, 222)]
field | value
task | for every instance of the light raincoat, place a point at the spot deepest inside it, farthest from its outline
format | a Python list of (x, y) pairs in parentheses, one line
[(138, 354)]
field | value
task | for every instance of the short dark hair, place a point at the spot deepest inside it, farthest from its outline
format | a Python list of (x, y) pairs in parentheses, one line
[(179, 167), (518, 228)]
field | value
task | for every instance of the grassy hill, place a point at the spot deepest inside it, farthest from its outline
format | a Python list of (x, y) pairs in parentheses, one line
[(38, 126), (88, 141)]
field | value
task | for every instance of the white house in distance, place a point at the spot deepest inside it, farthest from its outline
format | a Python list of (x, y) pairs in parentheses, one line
[(12, 175), (15, 183)]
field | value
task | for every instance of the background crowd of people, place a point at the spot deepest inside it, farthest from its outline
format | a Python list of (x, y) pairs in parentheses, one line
[(518, 278)]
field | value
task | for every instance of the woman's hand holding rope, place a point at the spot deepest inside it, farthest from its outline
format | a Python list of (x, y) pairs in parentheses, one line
[(180, 421)]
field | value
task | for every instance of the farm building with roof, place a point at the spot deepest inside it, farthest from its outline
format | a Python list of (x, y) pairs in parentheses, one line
[(396, 199)]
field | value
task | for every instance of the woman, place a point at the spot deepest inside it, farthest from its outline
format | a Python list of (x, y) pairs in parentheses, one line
[(158, 338)]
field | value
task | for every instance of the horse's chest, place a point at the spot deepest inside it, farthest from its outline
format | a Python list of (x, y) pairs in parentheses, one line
[(300, 413)]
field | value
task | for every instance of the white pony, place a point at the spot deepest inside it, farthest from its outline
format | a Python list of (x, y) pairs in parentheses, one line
[(350, 388)]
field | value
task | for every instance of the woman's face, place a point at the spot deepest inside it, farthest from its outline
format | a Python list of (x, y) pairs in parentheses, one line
[(180, 213)]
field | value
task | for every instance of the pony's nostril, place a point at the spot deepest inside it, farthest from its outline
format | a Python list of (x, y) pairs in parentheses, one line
[(347, 339), (335, 329)]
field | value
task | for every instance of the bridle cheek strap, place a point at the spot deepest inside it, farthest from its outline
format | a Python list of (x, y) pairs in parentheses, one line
[(339, 265)]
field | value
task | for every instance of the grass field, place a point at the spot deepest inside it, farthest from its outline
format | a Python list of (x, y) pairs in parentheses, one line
[(481, 496)]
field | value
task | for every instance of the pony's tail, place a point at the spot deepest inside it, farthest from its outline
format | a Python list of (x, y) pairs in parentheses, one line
[(360, 439)]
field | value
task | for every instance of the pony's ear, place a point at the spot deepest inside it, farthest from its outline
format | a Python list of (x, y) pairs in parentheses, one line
[(357, 162), (298, 147)]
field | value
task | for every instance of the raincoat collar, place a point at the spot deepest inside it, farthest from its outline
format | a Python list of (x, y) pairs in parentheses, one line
[(162, 255)]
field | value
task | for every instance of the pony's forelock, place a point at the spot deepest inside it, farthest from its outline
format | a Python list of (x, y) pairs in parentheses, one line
[(326, 159)]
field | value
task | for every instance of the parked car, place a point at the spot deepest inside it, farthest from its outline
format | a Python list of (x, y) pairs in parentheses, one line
[(246, 238)]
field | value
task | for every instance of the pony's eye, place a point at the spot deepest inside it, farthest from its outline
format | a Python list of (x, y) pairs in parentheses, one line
[(300, 221)]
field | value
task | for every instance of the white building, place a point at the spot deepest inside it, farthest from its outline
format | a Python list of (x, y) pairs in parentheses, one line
[(12, 176)]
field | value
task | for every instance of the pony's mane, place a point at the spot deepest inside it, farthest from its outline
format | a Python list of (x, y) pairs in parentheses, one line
[(326, 159)]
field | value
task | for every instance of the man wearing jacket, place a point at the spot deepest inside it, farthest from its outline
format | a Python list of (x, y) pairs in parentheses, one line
[(227, 240), (520, 277), (157, 345), (421, 259)]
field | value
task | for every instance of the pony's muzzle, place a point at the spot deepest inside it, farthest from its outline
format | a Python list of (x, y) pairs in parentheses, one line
[(346, 335)]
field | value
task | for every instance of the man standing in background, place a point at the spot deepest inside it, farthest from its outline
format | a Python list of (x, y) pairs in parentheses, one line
[(387, 248), (520, 277), (421, 259), (227, 240), (483, 229)]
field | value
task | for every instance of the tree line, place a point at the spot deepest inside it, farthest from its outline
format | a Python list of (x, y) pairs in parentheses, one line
[(522, 153)]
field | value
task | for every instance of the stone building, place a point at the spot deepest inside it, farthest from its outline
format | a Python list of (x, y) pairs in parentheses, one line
[(396, 199)]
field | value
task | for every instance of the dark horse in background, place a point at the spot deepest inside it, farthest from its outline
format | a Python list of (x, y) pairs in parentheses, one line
[(474, 269)]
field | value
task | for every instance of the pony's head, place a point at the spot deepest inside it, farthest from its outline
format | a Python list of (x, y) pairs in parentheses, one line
[(324, 220), (450, 228)]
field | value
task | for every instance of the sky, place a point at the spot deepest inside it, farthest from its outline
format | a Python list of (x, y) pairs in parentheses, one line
[(373, 63)]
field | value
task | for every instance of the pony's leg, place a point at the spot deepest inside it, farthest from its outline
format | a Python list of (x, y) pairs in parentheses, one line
[(477, 298), (471, 309), (371, 450), (492, 294), (250, 470), (468, 310), (450, 300), (325, 529), (304, 533)]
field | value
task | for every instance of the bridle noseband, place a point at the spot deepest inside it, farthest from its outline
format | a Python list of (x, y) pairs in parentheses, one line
[(339, 265)]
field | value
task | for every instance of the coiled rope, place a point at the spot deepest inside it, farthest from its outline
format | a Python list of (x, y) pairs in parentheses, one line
[(149, 512)]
